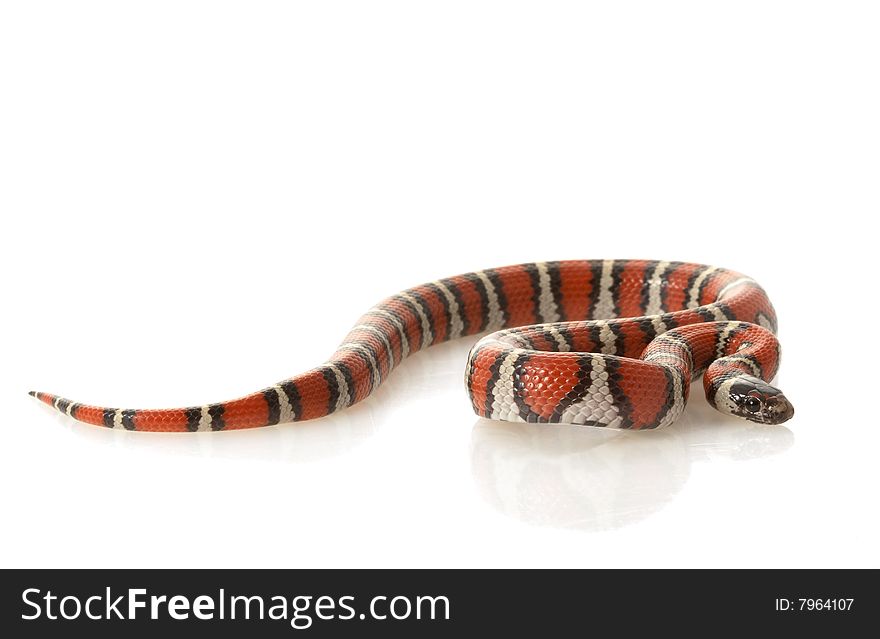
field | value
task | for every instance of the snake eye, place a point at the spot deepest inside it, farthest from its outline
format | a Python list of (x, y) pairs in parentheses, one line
[(753, 404)]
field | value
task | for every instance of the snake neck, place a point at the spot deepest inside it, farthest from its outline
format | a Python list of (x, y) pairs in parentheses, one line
[(738, 360)]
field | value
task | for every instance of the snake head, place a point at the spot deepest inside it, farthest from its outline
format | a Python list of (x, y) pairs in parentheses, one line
[(758, 401)]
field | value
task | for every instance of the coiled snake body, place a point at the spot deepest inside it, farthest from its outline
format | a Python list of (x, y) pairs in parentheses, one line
[(611, 343)]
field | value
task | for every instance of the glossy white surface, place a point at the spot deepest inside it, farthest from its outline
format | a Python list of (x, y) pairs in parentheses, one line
[(199, 199)]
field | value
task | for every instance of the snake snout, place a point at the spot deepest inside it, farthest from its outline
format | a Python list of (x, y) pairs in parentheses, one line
[(777, 409)]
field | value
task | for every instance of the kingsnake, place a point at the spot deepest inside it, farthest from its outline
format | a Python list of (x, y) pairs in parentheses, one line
[(610, 343)]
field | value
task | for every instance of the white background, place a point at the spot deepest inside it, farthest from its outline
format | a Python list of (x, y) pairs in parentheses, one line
[(199, 199)]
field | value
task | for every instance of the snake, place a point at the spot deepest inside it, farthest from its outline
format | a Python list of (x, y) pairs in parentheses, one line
[(601, 343)]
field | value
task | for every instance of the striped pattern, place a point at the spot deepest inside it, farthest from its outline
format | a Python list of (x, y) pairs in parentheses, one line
[(575, 349)]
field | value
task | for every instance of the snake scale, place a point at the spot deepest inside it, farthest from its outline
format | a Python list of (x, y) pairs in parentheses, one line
[(611, 343)]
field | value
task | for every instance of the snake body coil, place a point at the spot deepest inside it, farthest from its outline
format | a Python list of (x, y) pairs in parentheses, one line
[(612, 343)]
